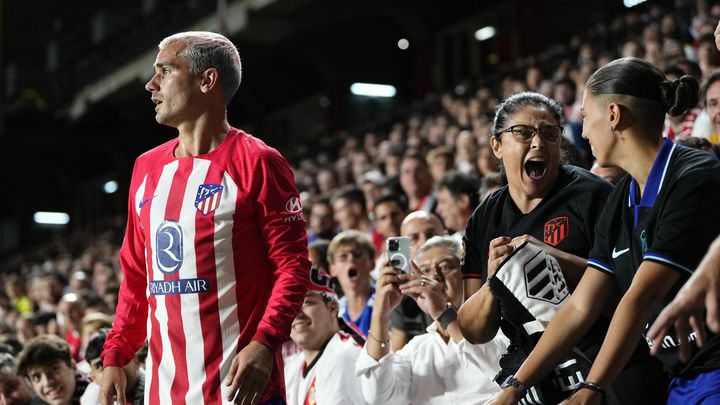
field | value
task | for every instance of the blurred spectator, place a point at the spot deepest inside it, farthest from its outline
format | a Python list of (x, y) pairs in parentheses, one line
[(134, 374), (466, 151), (440, 160), (90, 324), (321, 224), (490, 184), (348, 205), (457, 196), (487, 163), (710, 94), (17, 295), (71, 311), (373, 186), (14, 390), (323, 372), (25, 327), (389, 211), (46, 362), (416, 183), (351, 255), (426, 370), (327, 181), (407, 320), (708, 54)]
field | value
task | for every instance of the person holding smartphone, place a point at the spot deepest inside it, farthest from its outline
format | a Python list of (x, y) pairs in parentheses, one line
[(438, 367)]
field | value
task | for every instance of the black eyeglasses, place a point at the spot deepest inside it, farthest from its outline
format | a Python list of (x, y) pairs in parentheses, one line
[(525, 133)]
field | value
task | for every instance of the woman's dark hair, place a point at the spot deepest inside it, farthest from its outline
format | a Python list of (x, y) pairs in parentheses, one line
[(517, 102), (654, 94)]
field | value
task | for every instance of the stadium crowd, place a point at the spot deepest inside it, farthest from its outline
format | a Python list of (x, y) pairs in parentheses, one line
[(422, 175)]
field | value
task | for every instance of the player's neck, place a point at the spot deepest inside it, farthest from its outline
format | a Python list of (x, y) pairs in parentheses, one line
[(202, 135), (638, 160)]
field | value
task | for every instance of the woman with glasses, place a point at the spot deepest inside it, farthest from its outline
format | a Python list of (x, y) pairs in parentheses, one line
[(658, 223), (546, 204)]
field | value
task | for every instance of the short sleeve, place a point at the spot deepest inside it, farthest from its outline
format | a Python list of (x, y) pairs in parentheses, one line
[(473, 265), (688, 223)]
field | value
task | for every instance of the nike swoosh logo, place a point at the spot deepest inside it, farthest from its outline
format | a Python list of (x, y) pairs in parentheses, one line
[(616, 254), (143, 202)]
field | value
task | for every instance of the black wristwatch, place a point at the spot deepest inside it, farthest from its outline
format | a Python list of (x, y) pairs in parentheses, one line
[(449, 315), (514, 383)]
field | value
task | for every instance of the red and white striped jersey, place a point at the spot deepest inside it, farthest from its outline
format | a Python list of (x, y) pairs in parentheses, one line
[(214, 256)]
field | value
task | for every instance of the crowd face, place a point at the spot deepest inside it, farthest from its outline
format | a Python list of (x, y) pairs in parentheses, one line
[(14, 390), (442, 265), (346, 213), (351, 265), (486, 161), (596, 129), (415, 178), (419, 229), (173, 87), (388, 218), (315, 323), (454, 211), (53, 382), (321, 219), (712, 102), (96, 370), (531, 167), (25, 329)]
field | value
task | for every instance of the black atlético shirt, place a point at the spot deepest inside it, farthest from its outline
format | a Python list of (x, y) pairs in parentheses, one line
[(565, 218), (672, 224)]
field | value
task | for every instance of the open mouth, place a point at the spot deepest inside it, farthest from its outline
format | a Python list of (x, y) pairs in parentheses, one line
[(352, 273), (535, 168)]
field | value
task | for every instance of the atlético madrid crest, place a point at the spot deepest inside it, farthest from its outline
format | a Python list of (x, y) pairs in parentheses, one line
[(208, 197), (556, 230)]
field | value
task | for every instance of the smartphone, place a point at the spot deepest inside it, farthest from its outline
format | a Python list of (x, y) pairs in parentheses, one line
[(397, 250)]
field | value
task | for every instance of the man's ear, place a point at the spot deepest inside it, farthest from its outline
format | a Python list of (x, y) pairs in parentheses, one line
[(209, 79), (496, 146)]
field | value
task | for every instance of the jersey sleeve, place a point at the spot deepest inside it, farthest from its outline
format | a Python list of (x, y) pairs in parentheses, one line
[(474, 265), (282, 228), (688, 222), (129, 329)]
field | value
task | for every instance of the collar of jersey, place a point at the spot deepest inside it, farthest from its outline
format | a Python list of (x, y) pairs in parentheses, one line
[(655, 178)]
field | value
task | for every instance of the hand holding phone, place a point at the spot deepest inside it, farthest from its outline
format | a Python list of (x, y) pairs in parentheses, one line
[(397, 250)]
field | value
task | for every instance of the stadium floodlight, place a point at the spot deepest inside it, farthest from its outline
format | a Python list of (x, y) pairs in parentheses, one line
[(373, 90), (110, 186), (51, 218), (485, 33), (632, 3)]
